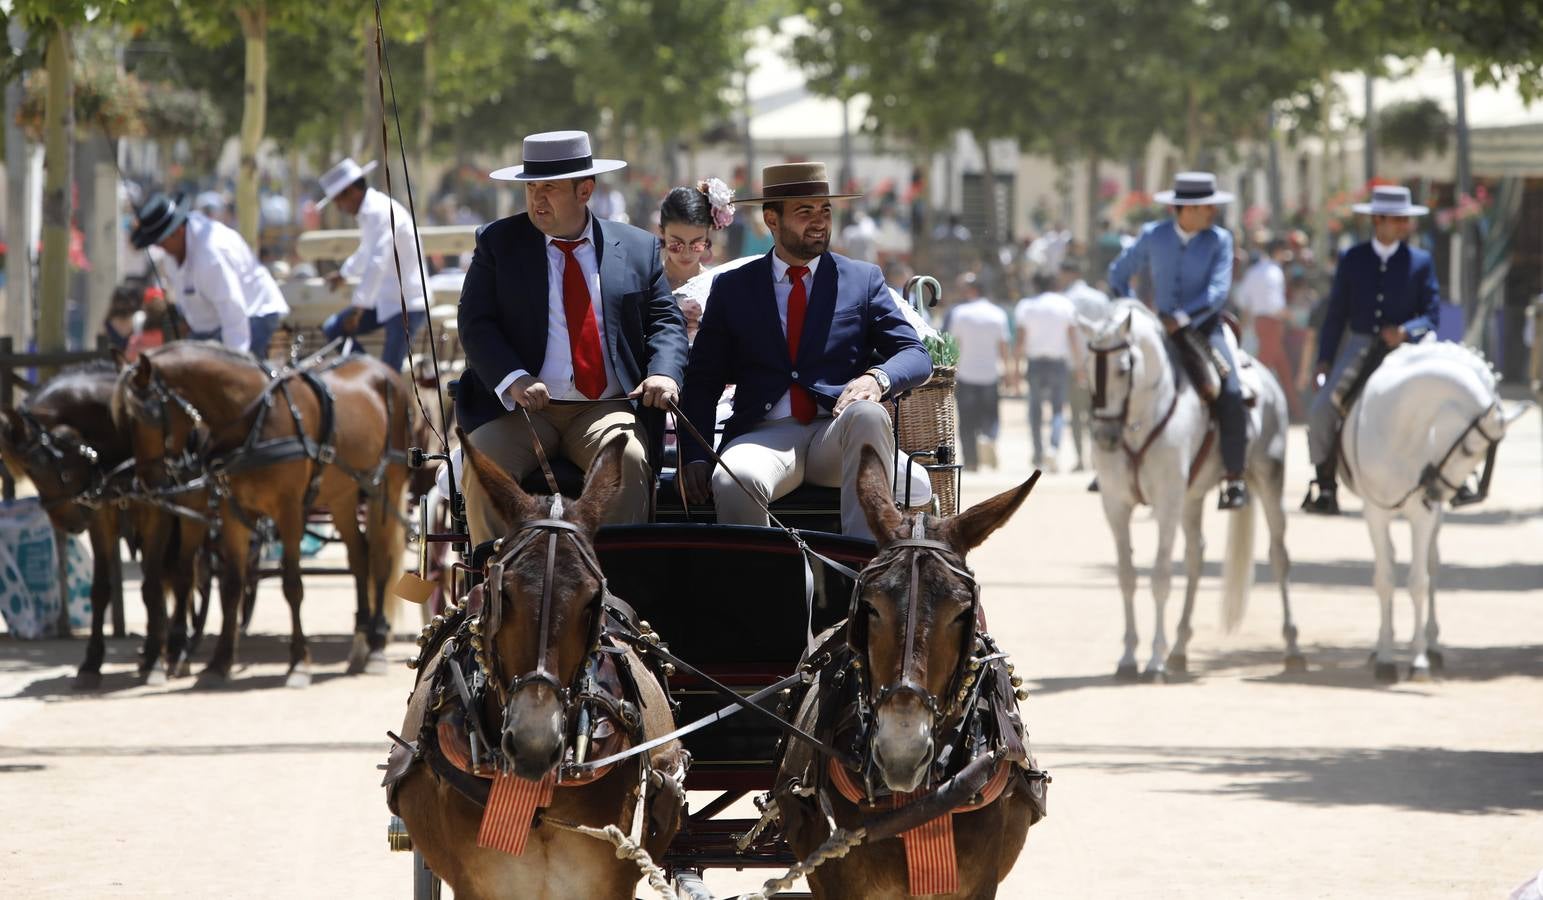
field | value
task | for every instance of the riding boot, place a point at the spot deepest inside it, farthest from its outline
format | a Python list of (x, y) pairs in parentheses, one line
[(1322, 501)]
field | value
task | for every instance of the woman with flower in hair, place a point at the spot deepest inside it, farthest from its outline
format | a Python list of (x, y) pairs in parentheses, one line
[(687, 218)]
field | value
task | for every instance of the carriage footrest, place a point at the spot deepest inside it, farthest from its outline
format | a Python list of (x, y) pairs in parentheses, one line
[(397, 837)]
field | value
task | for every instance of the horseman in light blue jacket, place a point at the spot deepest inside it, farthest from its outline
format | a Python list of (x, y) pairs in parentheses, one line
[(1188, 261)]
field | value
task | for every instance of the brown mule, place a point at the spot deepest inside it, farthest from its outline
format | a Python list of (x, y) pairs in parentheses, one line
[(64, 440), (545, 593), (912, 686), (194, 410)]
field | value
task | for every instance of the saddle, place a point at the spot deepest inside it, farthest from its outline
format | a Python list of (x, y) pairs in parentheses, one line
[(1207, 369)]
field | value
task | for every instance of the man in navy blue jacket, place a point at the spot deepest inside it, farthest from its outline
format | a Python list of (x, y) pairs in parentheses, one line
[(1385, 292), (812, 341), (1189, 262), (567, 320)]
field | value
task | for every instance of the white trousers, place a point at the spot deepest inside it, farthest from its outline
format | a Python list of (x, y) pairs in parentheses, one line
[(779, 455)]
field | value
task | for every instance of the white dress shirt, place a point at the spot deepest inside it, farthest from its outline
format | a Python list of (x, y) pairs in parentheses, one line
[(220, 284), (1263, 289), (782, 288), (374, 263), (557, 369)]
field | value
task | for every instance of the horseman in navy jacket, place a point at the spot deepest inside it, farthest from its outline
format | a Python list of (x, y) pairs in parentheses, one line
[(1385, 292), (812, 341), (1189, 263), (559, 306)]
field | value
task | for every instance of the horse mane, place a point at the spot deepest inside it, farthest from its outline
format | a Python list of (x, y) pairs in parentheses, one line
[(81, 375)]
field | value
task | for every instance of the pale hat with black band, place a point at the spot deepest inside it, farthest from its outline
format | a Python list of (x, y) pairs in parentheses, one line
[(1193, 189), (795, 181), (1390, 200), (556, 156), (337, 179)]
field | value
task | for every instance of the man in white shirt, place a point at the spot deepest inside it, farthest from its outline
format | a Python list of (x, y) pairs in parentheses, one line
[(378, 300), (221, 290), (1261, 299), (1047, 341), (1091, 304), (980, 327)]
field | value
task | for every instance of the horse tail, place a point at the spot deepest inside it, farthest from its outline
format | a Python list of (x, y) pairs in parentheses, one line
[(1238, 566)]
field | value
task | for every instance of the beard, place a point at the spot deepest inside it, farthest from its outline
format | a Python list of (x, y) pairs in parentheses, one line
[(797, 245)]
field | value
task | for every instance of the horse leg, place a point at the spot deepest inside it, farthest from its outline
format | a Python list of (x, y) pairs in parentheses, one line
[(345, 519), (1119, 523), (1162, 582), (1423, 526), (1194, 559), (158, 537), (104, 540), (1270, 489), (233, 548), (291, 529), (388, 540), (1432, 630), (1379, 522), (190, 541)]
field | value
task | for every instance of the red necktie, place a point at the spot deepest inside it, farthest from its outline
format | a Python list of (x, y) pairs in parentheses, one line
[(583, 333), (798, 300)]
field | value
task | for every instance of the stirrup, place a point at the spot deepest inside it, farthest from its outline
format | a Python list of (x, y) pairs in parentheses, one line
[(1234, 496)]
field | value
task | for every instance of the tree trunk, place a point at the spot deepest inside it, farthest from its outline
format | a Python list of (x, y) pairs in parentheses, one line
[(1093, 185), (1273, 177), (254, 112), (59, 127), (426, 106), (18, 221), (1192, 127)]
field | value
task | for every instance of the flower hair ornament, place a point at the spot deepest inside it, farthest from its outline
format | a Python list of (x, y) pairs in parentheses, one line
[(721, 197)]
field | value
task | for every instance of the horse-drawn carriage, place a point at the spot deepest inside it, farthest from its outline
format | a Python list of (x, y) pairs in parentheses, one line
[(725, 619)]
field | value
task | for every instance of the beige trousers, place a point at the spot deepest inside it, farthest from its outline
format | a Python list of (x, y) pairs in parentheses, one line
[(574, 432), (778, 456)]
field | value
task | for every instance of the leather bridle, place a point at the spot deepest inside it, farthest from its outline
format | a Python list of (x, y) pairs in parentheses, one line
[(911, 552), (1100, 394)]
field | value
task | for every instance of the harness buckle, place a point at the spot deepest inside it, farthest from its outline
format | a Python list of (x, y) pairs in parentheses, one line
[(327, 454)]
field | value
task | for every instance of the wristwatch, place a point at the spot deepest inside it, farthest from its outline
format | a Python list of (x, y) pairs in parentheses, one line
[(882, 378)]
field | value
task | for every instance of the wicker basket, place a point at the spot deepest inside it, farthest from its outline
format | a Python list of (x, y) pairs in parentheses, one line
[(929, 418)]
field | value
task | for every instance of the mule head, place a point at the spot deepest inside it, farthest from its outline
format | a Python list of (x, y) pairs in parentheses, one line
[(540, 657), (915, 634), (57, 460)]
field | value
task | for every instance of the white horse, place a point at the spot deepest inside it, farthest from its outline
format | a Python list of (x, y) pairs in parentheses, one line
[(1152, 444), (1423, 423)]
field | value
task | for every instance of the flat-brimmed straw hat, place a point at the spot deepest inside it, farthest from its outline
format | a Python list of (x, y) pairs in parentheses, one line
[(337, 179), (555, 156), (795, 181), (1193, 189), (1390, 200)]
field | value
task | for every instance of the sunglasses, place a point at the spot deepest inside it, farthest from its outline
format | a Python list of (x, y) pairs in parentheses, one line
[(700, 245)]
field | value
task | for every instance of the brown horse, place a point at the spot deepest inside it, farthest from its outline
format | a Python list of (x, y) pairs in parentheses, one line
[(558, 685), (913, 687), (64, 440), (273, 447)]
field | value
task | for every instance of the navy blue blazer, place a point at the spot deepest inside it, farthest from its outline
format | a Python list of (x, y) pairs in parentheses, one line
[(505, 302), (851, 325), (1369, 294)]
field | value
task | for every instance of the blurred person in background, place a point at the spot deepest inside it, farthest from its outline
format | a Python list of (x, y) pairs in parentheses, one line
[(1261, 300), (378, 302), (1091, 304), (687, 219), (980, 327), (1046, 342)]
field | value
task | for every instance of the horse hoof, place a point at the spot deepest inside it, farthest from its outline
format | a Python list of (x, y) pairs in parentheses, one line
[(1154, 676), (1178, 663), (213, 677), (299, 677), (88, 680), (1438, 663), (156, 677), (377, 664), (358, 655), (1386, 673), (183, 668), (1126, 673), (1419, 674), (1296, 662)]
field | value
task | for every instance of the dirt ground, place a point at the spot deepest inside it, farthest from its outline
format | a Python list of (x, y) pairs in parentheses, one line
[(1237, 781)]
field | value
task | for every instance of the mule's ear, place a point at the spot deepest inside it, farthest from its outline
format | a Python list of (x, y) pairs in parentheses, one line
[(513, 504), (602, 484), (13, 429), (970, 528), (876, 495), (142, 371)]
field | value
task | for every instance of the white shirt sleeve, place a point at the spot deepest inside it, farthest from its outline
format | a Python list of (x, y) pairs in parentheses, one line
[(219, 285), (502, 391), (375, 247)]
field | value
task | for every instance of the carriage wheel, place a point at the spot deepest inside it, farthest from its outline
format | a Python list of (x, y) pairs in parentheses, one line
[(426, 884)]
